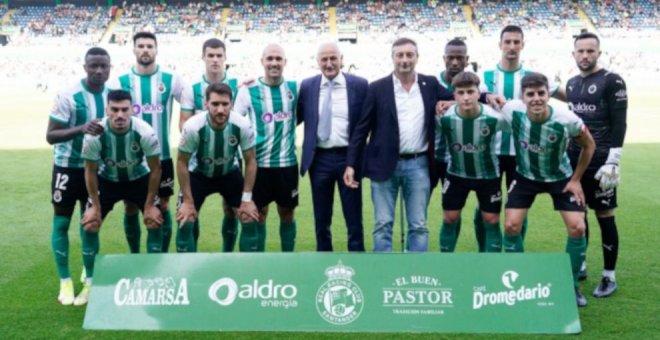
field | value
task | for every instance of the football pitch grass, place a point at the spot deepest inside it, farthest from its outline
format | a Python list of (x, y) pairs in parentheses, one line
[(29, 283)]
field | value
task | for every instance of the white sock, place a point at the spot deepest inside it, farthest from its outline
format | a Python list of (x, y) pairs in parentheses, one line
[(609, 274), (67, 280), (584, 266)]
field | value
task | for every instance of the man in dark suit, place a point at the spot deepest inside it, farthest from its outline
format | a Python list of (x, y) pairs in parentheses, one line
[(398, 115), (330, 105)]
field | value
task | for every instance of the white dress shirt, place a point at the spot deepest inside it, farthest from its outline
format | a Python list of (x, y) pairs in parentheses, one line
[(410, 113), (339, 131)]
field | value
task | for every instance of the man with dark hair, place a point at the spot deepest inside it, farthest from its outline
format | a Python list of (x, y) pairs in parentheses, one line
[(153, 90), (599, 97), (505, 80), (541, 133), (207, 164), (122, 163), (78, 110), (214, 55), (473, 162), (398, 117), (270, 103)]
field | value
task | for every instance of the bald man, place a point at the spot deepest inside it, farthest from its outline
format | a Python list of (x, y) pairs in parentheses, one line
[(270, 103), (330, 105)]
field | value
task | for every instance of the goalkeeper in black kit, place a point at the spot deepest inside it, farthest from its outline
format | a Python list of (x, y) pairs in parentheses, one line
[(599, 97)]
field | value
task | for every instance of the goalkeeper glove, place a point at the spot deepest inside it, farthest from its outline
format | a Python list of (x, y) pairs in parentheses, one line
[(608, 174)]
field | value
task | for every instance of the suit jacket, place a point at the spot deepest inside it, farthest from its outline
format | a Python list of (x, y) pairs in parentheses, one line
[(308, 111), (379, 121)]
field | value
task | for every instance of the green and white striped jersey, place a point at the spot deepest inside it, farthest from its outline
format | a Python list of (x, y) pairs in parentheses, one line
[(441, 152), (122, 157), (214, 151), (153, 96), (507, 84), (471, 142), (75, 106), (272, 111), (193, 96), (541, 147)]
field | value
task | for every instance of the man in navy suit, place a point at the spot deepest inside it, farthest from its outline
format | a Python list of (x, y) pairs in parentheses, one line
[(398, 115), (330, 105)]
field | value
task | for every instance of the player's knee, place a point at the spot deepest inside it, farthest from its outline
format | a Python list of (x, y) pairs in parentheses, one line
[(511, 228), (575, 229), (605, 213), (491, 218), (131, 209), (286, 214), (450, 218)]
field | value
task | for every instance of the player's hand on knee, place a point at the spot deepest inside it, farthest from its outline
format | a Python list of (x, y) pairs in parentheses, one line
[(248, 211), (152, 217), (91, 220), (186, 213), (608, 176)]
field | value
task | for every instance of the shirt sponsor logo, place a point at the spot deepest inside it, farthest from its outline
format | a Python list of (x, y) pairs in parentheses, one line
[(339, 300), (121, 164), (582, 107), (280, 116), (159, 291), (217, 161), (468, 148), (534, 148), (513, 294), (152, 109), (226, 291), (417, 295)]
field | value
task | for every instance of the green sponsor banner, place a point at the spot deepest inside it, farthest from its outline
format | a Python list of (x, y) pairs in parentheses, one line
[(475, 293)]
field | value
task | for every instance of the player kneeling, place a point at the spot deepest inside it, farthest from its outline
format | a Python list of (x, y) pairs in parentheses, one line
[(207, 164), (122, 163), (541, 133)]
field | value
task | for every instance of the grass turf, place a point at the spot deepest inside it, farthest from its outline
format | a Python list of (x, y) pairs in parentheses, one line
[(29, 281)]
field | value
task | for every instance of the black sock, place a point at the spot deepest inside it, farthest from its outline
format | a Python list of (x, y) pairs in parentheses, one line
[(610, 238)]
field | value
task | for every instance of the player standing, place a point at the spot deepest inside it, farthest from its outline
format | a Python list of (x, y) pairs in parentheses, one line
[(270, 102), (214, 56), (469, 128), (505, 80), (77, 111), (541, 133), (122, 163), (599, 97), (153, 91)]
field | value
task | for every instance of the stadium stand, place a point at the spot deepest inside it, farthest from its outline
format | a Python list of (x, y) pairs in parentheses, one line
[(191, 19), (642, 14), (546, 15), (62, 19), (284, 18)]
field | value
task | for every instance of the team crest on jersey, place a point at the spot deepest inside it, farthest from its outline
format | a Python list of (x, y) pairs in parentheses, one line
[(552, 138), (233, 140), (135, 147), (161, 88), (592, 89), (57, 196), (485, 131), (289, 95), (267, 117)]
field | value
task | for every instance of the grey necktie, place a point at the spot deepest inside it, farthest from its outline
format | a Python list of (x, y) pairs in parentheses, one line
[(325, 116)]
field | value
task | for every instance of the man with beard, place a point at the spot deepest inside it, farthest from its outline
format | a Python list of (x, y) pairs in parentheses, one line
[(214, 56), (78, 110), (153, 91), (270, 103), (122, 163), (599, 97)]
